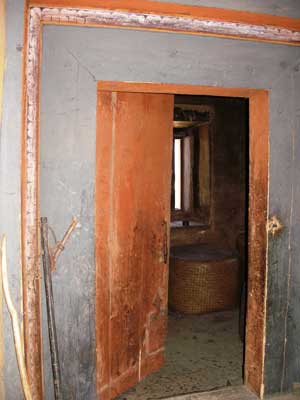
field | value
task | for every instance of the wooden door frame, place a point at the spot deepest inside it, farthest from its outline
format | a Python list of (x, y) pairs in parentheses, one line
[(151, 16), (257, 214)]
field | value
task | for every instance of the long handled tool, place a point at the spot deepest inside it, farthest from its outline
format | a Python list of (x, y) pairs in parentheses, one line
[(50, 310), (50, 256)]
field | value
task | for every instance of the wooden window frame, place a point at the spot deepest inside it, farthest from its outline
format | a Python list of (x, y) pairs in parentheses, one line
[(201, 213), (152, 16), (175, 211)]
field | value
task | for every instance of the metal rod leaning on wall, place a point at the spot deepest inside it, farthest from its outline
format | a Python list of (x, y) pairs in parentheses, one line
[(15, 323), (50, 309)]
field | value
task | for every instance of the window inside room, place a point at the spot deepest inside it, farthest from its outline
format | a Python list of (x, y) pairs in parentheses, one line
[(177, 148), (190, 197)]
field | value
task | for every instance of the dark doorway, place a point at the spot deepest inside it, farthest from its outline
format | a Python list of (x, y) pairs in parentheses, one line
[(208, 249)]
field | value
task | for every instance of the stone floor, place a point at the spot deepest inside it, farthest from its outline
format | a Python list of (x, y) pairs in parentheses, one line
[(203, 353), (232, 393), (291, 396)]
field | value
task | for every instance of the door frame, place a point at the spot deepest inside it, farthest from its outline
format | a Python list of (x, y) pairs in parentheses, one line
[(151, 16), (257, 213)]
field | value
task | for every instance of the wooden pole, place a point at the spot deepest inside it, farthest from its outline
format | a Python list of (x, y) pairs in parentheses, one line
[(50, 310), (59, 246), (15, 323)]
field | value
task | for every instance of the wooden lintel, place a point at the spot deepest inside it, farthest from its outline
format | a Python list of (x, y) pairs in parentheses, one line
[(153, 87), (175, 18), (195, 24), (154, 7)]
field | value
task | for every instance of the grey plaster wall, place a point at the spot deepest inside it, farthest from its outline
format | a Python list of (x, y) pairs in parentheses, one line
[(112, 54), (68, 125), (10, 145), (73, 60), (282, 346)]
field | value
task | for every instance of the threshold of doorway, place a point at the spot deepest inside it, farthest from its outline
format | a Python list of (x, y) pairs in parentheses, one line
[(231, 393)]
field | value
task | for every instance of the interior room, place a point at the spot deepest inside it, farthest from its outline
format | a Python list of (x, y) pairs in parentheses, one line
[(208, 250)]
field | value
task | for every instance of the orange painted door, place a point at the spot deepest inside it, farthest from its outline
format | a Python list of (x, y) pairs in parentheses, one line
[(133, 186)]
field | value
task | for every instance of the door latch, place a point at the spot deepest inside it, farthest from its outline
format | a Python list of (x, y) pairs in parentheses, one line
[(165, 242), (274, 226)]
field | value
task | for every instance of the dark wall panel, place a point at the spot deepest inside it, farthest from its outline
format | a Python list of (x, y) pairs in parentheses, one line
[(290, 373)]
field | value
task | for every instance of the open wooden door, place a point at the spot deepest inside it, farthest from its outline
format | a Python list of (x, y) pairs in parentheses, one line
[(133, 185)]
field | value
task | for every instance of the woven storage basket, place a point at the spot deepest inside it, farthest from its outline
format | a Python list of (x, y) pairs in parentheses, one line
[(202, 280)]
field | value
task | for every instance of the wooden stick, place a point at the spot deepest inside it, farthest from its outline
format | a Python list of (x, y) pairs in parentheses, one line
[(50, 310), (15, 323), (59, 246)]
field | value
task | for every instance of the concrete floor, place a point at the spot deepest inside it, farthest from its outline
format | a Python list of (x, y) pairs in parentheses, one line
[(203, 353)]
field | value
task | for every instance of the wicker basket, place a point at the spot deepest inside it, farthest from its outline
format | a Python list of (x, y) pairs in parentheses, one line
[(203, 280)]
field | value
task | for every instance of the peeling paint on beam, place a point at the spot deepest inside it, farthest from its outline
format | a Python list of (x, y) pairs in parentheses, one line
[(31, 259), (170, 23)]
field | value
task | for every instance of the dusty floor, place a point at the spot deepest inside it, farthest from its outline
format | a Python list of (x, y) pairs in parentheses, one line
[(202, 353), (232, 393)]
